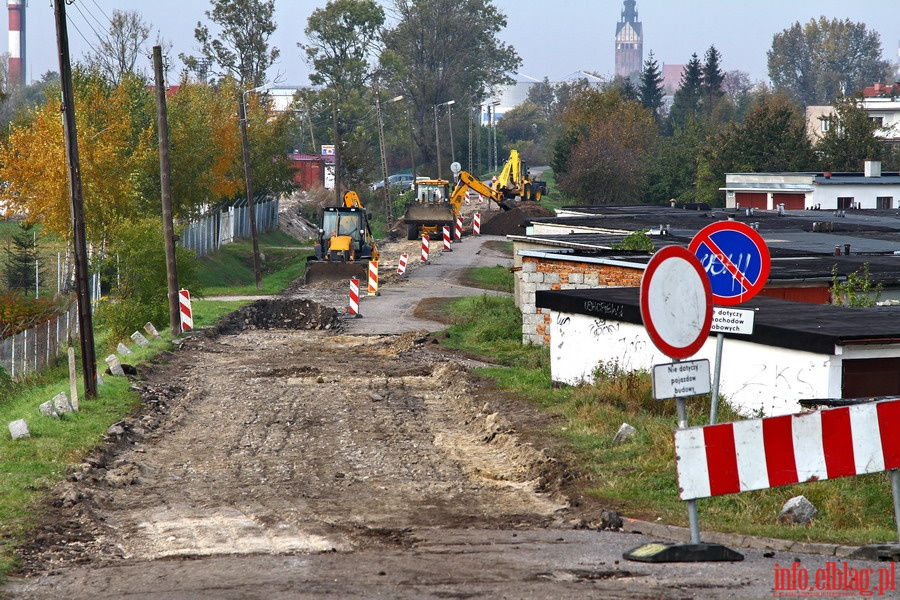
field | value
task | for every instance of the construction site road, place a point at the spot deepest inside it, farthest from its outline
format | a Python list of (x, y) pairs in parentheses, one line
[(282, 457)]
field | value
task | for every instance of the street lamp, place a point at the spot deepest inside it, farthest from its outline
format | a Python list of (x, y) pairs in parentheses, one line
[(248, 184), (450, 123), (437, 134), (495, 104), (384, 172)]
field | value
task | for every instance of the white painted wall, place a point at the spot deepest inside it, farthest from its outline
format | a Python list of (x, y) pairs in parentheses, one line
[(755, 378)]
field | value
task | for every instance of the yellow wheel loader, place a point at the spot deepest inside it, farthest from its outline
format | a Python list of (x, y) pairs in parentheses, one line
[(345, 245)]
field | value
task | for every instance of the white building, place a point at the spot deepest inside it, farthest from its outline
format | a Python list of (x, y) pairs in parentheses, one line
[(827, 191)]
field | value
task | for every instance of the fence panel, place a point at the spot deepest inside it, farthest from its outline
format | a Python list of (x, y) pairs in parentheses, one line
[(34, 349), (227, 224)]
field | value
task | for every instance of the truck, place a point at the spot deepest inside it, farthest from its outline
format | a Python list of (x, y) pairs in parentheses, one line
[(515, 180), (435, 206), (345, 244)]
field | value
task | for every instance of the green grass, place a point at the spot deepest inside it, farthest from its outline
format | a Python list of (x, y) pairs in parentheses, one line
[(639, 478), (498, 279), (230, 271)]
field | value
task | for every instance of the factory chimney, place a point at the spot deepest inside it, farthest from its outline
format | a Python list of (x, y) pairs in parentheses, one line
[(16, 42)]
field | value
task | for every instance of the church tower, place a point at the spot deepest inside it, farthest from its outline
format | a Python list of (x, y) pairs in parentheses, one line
[(629, 42)]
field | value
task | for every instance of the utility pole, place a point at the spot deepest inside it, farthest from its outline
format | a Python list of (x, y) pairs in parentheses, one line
[(79, 242), (165, 182), (248, 183)]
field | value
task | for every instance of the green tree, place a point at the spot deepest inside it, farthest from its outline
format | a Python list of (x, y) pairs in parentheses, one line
[(119, 48), (851, 138), (672, 166), (650, 91), (686, 103), (444, 50), (21, 260), (712, 79), (543, 94), (772, 138), (241, 46), (817, 62), (527, 129), (343, 49)]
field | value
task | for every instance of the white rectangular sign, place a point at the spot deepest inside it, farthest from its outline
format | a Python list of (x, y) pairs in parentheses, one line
[(732, 320), (681, 379)]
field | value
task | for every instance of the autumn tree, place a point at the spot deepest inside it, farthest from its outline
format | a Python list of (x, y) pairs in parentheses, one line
[(613, 137), (240, 49), (119, 48), (851, 138), (823, 59), (442, 50)]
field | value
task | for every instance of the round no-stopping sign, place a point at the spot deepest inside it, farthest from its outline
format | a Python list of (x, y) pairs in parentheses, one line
[(736, 259), (676, 302)]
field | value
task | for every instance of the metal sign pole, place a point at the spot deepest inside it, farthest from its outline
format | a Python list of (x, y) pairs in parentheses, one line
[(693, 518), (717, 372)]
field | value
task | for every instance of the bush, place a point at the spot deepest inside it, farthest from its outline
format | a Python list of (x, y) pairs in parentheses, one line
[(138, 279)]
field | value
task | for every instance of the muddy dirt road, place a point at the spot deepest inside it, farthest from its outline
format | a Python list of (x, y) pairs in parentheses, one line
[(339, 463)]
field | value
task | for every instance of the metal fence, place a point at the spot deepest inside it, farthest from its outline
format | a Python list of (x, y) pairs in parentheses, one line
[(227, 224), (33, 349)]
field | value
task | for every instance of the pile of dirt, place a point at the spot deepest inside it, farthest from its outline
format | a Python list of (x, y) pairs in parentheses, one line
[(280, 313), (513, 222)]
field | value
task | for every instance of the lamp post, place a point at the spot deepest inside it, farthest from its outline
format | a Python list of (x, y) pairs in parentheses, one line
[(248, 184), (450, 123), (495, 103), (384, 172), (437, 135)]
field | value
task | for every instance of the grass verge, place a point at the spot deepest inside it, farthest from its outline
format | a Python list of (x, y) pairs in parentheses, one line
[(638, 478)]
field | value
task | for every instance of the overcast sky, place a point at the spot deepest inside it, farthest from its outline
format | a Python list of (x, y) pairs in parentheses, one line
[(553, 38)]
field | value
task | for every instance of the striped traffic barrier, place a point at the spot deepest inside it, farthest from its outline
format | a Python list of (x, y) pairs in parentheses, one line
[(373, 278), (446, 235), (424, 249), (184, 304), (476, 223), (458, 228), (401, 266), (761, 453), (353, 308)]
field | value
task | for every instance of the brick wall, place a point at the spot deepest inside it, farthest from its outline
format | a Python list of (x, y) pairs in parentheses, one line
[(543, 274)]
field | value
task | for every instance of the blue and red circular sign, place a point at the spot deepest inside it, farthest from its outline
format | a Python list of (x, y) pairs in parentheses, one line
[(676, 302), (736, 259)]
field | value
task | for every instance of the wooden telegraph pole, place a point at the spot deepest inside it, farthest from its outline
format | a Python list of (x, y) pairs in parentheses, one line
[(166, 186), (85, 320)]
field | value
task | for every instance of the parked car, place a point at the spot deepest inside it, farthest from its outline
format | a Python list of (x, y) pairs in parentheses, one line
[(399, 180)]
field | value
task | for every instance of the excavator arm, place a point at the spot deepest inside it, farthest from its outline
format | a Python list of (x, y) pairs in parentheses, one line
[(467, 182)]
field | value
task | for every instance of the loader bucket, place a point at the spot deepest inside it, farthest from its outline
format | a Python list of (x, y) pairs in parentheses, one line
[(319, 271)]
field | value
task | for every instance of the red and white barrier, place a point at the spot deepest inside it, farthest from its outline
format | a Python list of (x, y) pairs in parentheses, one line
[(353, 308), (763, 453), (373, 277), (446, 232), (424, 248), (184, 304), (480, 198), (476, 224), (458, 228), (467, 200), (401, 266)]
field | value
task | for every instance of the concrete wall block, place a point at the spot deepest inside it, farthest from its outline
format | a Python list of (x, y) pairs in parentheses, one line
[(529, 266), (551, 278), (529, 309), (591, 279), (576, 278)]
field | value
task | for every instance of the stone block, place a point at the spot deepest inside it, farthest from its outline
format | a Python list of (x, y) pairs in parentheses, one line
[(19, 430), (47, 409), (115, 367), (123, 349), (625, 434), (138, 338), (798, 510), (151, 330), (61, 404)]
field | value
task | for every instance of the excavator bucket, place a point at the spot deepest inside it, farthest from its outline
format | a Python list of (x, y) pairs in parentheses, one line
[(319, 271)]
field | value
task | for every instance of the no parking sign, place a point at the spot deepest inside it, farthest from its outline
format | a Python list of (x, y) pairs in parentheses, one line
[(736, 259)]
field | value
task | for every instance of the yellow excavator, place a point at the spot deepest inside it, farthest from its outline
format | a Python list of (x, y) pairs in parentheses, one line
[(345, 244), (515, 180), (435, 206)]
